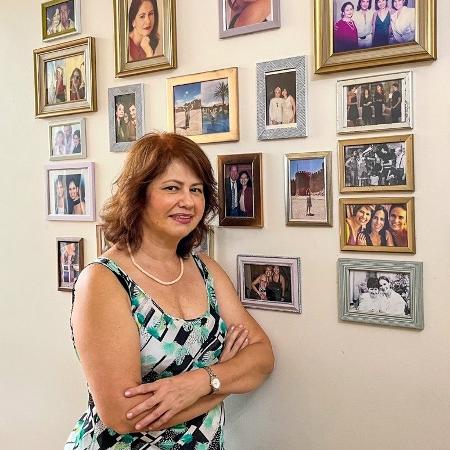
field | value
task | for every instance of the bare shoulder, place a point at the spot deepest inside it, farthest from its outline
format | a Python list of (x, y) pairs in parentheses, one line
[(219, 275)]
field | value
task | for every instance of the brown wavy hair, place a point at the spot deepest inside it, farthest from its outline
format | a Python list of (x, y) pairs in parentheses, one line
[(149, 157)]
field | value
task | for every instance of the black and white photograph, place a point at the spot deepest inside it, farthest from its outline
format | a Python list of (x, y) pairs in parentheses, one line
[(269, 282), (384, 292)]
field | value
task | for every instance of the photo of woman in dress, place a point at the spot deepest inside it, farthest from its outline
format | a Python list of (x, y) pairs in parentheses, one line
[(403, 22), (77, 85), (60, 196), (381, 27), (245, 194), (366, 105), (345, 32), (352, 106)]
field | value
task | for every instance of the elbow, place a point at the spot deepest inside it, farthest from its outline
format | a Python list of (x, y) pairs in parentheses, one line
[(117, 423)]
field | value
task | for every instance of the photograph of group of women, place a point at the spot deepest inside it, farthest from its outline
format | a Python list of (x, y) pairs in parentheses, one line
[(384, 293), (65, 80), (68, 193), (363, 24), (376, 165), (69, 264), (374, 224), (241, 13), (66, 139), (125, 124), (374, 103), (238, 190), (281, 99)]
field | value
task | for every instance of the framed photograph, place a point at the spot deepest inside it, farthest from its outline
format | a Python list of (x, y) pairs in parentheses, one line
[(381, 292), (70, 261), (308, 188), (281, 98), (381, 102), (382, 224), (64, 78), (243, 16), (70, 191), (376, 164), (269, 282), (60, 19), (240, 190), (368, 33), (204, 106), (126, 116), (67, 140), (144, 36), (102, 244), (207, 244)]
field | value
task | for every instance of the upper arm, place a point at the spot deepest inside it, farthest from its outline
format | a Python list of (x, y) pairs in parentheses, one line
[(107, 342)]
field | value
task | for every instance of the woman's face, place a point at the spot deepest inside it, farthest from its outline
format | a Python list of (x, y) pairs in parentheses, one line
[(73, 191), (379, 88), (397, 219), (364, 4), (284, 93), (348, 12), (59, 189), (398, 4), (277, 92), (268, 272), (366, 93), (120, 111), (382, 4), (378, 221), (243, 179), (60, 138), (76, 78), (363, 215), (276, 270), (144, 21)]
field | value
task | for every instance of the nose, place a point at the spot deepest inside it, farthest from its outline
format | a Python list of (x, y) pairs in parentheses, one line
[(186, 200)]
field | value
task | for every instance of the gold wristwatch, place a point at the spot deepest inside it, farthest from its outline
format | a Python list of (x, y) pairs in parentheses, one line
[(214, 381)]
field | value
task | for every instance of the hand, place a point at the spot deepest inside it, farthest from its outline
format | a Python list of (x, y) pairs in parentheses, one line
[(235, 340), (145, 45), (170, 396), (361, 239)]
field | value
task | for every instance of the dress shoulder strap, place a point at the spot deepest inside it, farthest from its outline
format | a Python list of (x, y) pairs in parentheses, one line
[(209, 282)]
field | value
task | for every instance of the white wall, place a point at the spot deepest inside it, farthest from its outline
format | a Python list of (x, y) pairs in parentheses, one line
[(336, 385)]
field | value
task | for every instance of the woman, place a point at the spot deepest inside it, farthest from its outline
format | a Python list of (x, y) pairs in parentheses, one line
[(78, 205), (121, 129), (248, 12), (379, 100), (366, 105), (308, 202), (60, 199), (356, 220), (245, 194), (377, 232), (352, 106), (362, 169), (261, 282), (381, 24), (59, 148), (363, 17), (60, 86), (403, 22), (158, 370), (77, 87), (345, 33), (143, 40), (277, 286), (377, 171), (288, 107)]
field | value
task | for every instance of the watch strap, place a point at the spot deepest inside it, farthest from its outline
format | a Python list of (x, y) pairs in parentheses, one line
[(212, 376)]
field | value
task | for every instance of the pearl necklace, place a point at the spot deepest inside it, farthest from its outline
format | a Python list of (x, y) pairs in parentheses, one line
[(164, 283)]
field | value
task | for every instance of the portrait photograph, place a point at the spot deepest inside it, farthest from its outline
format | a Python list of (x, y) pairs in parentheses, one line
[(381, 292), (240, 199), (238, 17), (269, 282), (376, 164), (384, 224), (308, 188), (204, 106), (281, 98), (207, 244), (382, 102), (126, 116), (70, 261), (102, 244), (67, 140), (145, 36), (70, 191), (365, 33), (60, 19), (65, 78)]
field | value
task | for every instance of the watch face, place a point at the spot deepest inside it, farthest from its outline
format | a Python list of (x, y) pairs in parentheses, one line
[(215, 383)]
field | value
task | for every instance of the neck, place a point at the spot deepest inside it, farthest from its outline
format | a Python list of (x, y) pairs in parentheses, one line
[(157, 249)]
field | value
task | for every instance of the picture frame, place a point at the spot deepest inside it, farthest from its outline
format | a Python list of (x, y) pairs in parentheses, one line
[(231, 21), (102, 244), (392, 297), (70, 261), (208, 243), (70, 191), (376, 164), (419, 44), (308, 199), (67, 139), (258, 287), (60, 18), (279, 114), (160, 51), (240, 207), (377, 224), (390, 98), (204, 106), (124, 102), (56, 92)]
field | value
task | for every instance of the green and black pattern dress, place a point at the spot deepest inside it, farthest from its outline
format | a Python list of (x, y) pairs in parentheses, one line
[(169, 346)]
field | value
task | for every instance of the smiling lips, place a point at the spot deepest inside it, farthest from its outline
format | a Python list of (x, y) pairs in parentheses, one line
[(182, 218)]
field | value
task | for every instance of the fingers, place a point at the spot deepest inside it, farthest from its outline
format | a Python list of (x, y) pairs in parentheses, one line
[(160, 423), (235, 340), (144, 388), (146, 405)]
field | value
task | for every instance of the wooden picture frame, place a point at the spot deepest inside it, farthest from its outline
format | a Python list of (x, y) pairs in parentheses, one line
[(308, 199), (208, 243), (160, 49), (204, 106), (64, 78), (70, 261), (420, 46), (60, 18), (102, 244), (231, 170)]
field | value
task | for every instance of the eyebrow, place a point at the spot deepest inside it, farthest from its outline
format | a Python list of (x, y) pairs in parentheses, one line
[(180, 182)]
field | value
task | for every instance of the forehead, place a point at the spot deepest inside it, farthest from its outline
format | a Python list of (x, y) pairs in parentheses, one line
[(180, 170), (398, 211)]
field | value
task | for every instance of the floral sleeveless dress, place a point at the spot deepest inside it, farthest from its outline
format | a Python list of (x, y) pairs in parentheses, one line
[(169, 346)]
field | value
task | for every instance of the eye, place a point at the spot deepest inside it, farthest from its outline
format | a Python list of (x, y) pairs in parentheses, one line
[(197, 190), (171, 188)]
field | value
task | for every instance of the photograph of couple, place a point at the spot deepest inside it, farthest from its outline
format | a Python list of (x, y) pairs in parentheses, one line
[(281, 99)]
